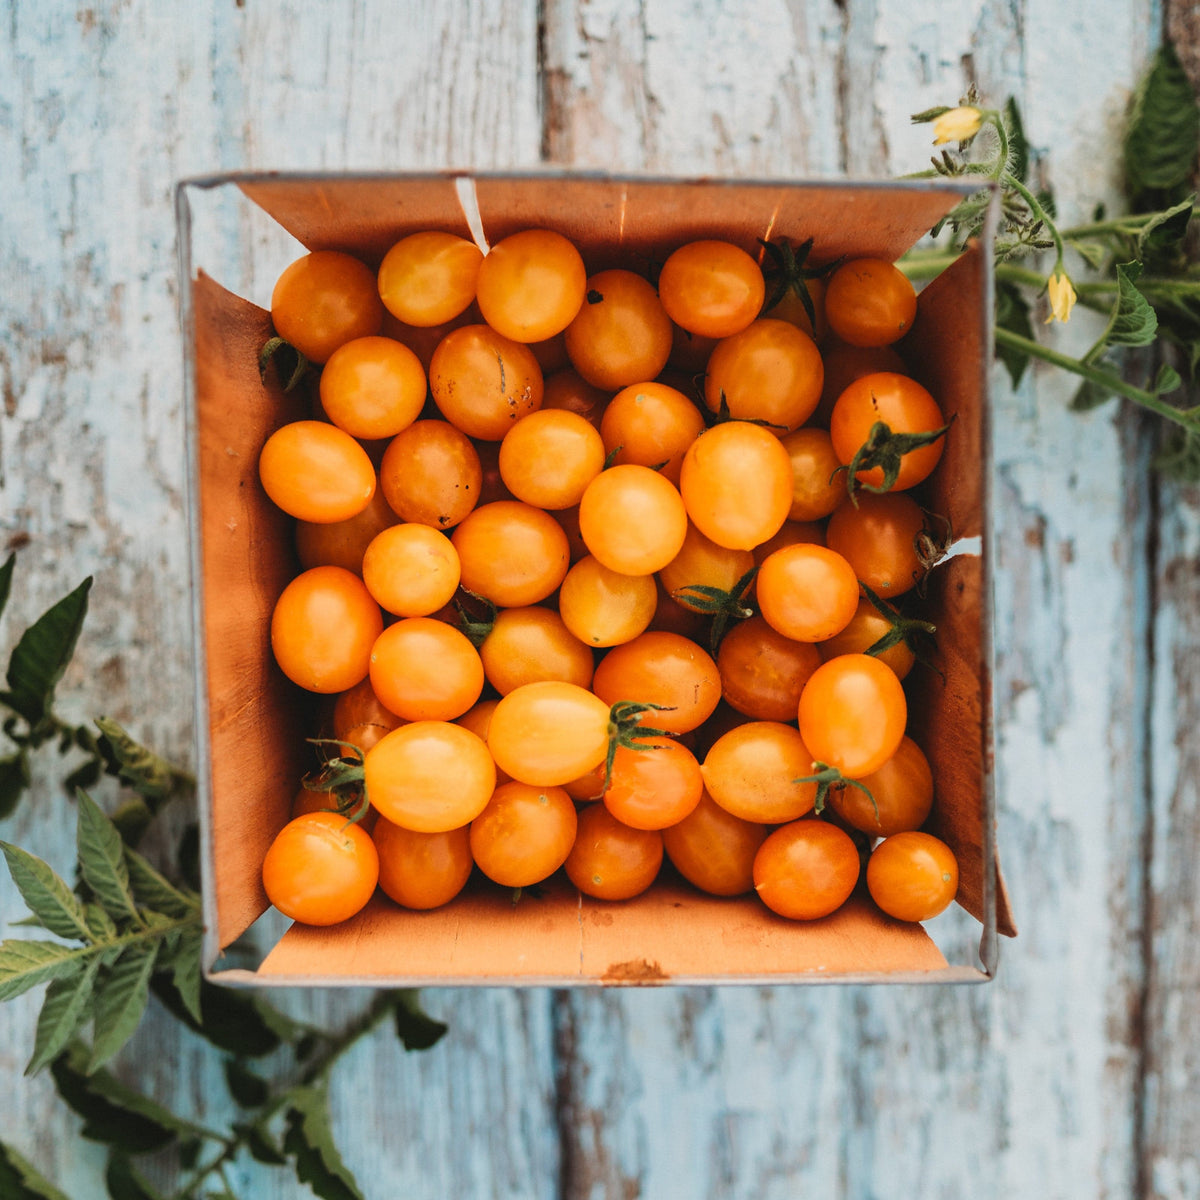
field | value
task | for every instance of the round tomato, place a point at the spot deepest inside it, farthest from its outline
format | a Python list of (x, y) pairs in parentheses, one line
[(548, 734), (806, 870), (531, 285), (360, 706), (753, 772), (425, 670), (818, 483), (316, 472), (912, 876), (323, 300), (605, 608), (373, 387), (569, 391), (429, 278), (877, 536), (511, 553), (711, 288), (901, 794), (869, 302), (621, 334), (530, 645), (714, 850), (548, 458), (763, 672), (632, 520), (651, 425), (411, 570), (422, 870), (611, 861), (524, 834), (791, 533), (655, 786), (844, 364), (343, 543), (807, 593), (702, 563), (431, 474), (478, 719), (868, 626), (483, 382)]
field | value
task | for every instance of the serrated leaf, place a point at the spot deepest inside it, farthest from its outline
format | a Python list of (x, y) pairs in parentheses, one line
[(100, 925), (121, 997), (247, 1088), (21, 1180), (153, 892), (414, 1026), (6, 574), (147, 773), (260, 1144), (102, 861), (124, 1182), (1012, 313), (230, 1019), (184, 964), (1018, 147), (14, 779), (41, 656), (1166, 380), (47, 896), (24, 964), (1089, 395), (1161, 238), (1164, 127), (309, 1140), (1132, 321), (64, 1010)]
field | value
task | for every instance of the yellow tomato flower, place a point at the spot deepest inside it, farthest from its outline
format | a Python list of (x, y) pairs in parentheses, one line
[(1062, 297), (957, 125)]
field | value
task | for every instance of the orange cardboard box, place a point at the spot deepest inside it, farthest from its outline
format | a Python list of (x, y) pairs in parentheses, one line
[(250, 725)]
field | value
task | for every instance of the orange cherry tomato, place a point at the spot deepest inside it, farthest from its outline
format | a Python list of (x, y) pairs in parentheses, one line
[(869, 302), (548, 458), (424, 340), (568, 390), (806, 870), (763, 672), (411, 570), (529, 645), (430, 776), (323, 300), (320, 869), (807, 593), (359, 706), (478, 719), (912, 876), (711, 288), (791, 533), (425, 670), (904, 406), (524, 834), (878, 538), (866, 627), (671, 617), (752, 772), (852, 714), (605, 608), (422, 870), (551, 354), (611, 861), (632, 519), (621, 334), (653, 787), (343, 543), (431, 474), (322, 629), (770, 371), (901, 794), (818, 484), (714, 850), (316, 472), (701, 562), (531, 285), (736, 484), (310, 802), (483, 382), (548, 734), (651, 425), (844, 364), (429, 278), (511, 553), (568, 518), (373, 387), (665, 669)]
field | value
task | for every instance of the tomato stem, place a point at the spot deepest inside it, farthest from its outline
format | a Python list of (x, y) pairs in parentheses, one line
[(885, 448), (723, 606), (344, 779), (626, 731), (826, 777)]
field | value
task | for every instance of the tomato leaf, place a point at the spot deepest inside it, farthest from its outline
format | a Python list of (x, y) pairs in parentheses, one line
[(1179, 458), (1161, 238), (147, 773), (232, 1021), (6, 574), (414, 1026), (184, 964), (41, 655), (20, 1180), (121, 997), (1163, 129), (1133, 322), (64, 1011), (25, 963), (14, 779), (124, 1182), (309, 1140), (1018, 147), (248, 1089), (102, 861), (48, 897), (261, 1144), (1089, 395), (152, 891), (1012, 313)]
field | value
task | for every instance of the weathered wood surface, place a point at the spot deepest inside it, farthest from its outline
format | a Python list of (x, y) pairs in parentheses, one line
[(1074, 1074)]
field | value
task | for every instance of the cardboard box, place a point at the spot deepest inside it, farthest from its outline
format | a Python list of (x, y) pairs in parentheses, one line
[(250, 728)]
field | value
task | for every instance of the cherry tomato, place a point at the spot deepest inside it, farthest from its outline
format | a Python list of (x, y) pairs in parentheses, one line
[(548, 458), (632, 519), (524, 834), (807, 593), (671, 617), (912, 876), (666, 669), (652, 425), (411, 570), (568, 390), (770, 371), (791, 533), (310, 802), (551, 353), (322, 301), (343, 543), (430, 776), (852, 714), (621, 334), (424, 340), (568, 518), (431, 474), (818, 485), (711, 288), (611, 861), (901, 794), (714, 850), (605, 608), (358, 709), (653, 787), (429, 278), (736, 484), (904, 406), (752, 772), (425, 670), (512, 553), (806, 870), (316, 472), (493, 487), (548, 734), (483, 382), (843, 365), (869, 302), (531, 285), (322, 629), (878, 539), (701, 562), (422, 870), (320, 869), (373, 387), (478, 719), (866, 627), (763, 672), (529, 645)]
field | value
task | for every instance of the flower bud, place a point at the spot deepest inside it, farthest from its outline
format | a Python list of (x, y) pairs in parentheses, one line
[(957, 125)]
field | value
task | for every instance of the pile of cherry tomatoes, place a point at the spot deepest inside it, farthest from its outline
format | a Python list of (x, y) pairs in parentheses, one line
[(602, 570)]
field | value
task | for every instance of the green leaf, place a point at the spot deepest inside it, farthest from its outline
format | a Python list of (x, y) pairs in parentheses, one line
[(100, 925), (20, 1179), (64, 1010), (1179, 458), (184, 963), (1012, 313), (6, 574), (261, 1144), (930, 114), (1089, 395), (47, 896), (126, 1183), (1132, 321), (309, 1140), (24, 964), (121, 1000), (1161, 238), (414, 1026), (102, 861), (1164, 127), (231, 1019), (1018, 147), (147, 773), (132, 818), (152, 891), (1166, 381), (14, 779), (247, 1088), (86, 775), (1093, 253), (41, 656)]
